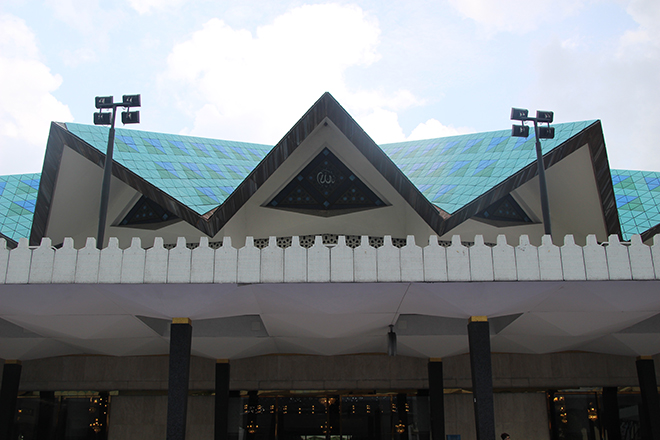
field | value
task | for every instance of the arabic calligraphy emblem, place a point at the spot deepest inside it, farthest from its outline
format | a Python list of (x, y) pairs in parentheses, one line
[(325, 177)]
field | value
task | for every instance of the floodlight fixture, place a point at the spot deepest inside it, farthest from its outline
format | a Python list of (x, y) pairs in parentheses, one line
[(131, 101), (544, 116), (104, 102), (519, 114), (130, 117), (520, 131), (546, 132), (102, 118)]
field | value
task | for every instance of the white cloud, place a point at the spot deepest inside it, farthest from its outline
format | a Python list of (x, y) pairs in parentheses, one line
[(83, 15), (383, 126), (26, 102), (514, 15), (255, 86), (435, 129), (647, 14), (620, 86), (147, 6)]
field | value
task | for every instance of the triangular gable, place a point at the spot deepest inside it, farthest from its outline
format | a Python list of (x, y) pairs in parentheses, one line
[(327, 108), (326, 186)]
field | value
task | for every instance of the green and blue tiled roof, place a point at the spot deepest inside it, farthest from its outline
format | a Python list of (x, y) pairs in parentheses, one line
[(198, 172), (18, 197), (451, 172), (637, 196)]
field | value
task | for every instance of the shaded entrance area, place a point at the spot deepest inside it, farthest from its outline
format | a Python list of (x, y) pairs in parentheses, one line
[(327, 416)]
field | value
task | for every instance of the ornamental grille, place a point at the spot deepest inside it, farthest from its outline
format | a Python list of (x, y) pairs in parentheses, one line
[(326, 184)]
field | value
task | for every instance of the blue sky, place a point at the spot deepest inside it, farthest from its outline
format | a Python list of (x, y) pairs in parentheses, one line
[(248, 70)]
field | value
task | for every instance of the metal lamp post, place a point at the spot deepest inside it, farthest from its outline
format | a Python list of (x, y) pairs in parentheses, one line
[(543, 132), (107, 118)]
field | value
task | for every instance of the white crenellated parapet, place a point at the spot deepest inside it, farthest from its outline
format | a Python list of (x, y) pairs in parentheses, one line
[(110, 263), (321, 263), (458, 261), (504, 260), (202, 265), (572, 260)]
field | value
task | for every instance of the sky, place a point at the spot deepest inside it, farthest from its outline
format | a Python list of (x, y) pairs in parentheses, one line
[(248, 70)]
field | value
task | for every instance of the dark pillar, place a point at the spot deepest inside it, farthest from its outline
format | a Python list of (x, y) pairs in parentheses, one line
[(437, 399), (610, 418), (552, 414), (177, 392), (47, 409), (401, 427), (648, 385), (221, 399), (482, 377), (11, 376)]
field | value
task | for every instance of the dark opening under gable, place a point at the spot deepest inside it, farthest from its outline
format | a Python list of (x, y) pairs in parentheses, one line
[(504, 211), (147, 212), (326, 187)]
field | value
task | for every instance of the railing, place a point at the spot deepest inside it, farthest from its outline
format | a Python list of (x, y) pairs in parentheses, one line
[(337, 263)]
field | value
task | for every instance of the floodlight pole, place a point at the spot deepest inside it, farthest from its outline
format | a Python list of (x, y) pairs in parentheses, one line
[(519, 114), (101, 118), (545, 206), (107, 176)]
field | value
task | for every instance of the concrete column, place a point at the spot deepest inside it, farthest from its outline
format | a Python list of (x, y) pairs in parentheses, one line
[(610, 417), (437, 399), (552, 415), (47, 407), (11, 376), (648, 385), (482, 377), (221, 399), (177, 392), (402, 423)]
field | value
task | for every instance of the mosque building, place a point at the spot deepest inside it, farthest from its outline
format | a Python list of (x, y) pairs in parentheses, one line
[(329, 288)]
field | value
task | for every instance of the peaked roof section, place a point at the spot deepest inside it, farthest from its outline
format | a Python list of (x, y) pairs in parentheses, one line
[(18, 197), (453, 171), (638, 202), (465, 174), (327, 107), (198, 172), (205, 181)]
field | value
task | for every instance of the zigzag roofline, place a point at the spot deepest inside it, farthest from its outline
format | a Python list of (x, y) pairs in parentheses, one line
[(326, 108)]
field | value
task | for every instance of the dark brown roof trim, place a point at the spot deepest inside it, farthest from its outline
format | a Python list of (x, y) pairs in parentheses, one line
[(11, 244), (651, 232), (592, 136)]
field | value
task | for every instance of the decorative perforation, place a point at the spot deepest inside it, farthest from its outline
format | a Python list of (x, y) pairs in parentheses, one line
[(330, 239), (215, 244), (284, 242), (399, 242), (306, 241), (353, 241), (376, 241), (260, 243)]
